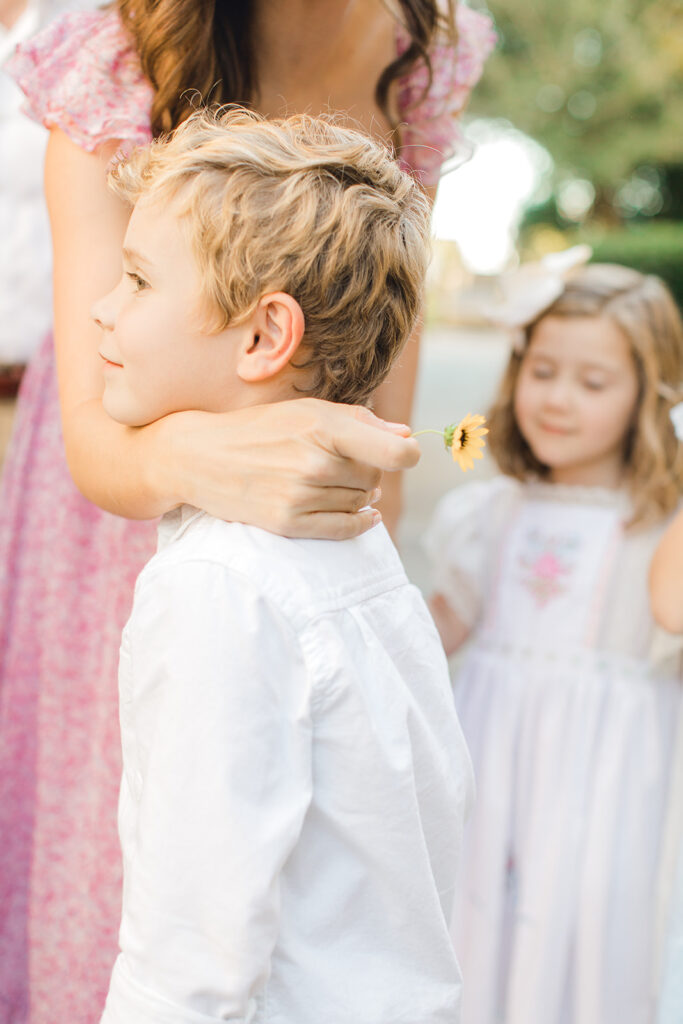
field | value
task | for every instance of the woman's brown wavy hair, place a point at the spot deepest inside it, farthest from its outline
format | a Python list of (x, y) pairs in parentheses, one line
[(642, 307), (204, 47)]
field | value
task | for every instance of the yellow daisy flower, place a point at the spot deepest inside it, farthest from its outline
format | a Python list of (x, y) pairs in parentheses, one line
[(466, 440)]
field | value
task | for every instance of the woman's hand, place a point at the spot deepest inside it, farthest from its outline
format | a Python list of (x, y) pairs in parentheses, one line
[(302, 468)]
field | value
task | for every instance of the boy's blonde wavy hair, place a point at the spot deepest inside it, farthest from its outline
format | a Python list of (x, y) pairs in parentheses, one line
[(302, 206), (642, 307)]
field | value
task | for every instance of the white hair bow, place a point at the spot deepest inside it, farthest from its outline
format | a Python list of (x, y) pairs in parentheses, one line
[(676, 415), (524, 293)]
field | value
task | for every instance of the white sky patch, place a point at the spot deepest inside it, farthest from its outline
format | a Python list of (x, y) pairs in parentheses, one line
[(479, 204)]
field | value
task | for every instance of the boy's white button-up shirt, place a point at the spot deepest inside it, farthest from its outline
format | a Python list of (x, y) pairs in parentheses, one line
[(294, 788)]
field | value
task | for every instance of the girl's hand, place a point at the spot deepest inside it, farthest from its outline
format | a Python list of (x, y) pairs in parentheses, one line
[(302, 468), (666, 577), (452, 630)]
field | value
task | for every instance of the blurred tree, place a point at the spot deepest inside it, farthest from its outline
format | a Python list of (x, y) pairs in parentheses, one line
[(598, 82)]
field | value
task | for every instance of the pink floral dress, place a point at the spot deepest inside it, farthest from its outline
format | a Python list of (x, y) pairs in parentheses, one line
[(69, 568)]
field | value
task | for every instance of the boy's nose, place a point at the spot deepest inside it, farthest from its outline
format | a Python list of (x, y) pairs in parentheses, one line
[(102, 312)]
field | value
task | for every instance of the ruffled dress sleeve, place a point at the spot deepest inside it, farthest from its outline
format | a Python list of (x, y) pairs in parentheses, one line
[(81, 74), (430, 133), (460, 542)]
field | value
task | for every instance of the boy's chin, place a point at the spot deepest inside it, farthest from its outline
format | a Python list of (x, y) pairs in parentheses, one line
[(128, 417)]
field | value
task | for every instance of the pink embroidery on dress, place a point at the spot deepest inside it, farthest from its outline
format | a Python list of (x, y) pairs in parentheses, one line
[(547, 563)]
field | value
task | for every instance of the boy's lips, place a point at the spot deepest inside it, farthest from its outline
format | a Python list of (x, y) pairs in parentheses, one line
[(109, 362)]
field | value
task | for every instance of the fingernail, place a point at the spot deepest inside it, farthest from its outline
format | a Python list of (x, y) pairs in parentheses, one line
[(375, 496), (376, 516), (402, 428)]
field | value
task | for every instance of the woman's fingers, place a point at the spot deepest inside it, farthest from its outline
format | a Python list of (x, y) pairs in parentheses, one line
[(337, 499), (335, 525), (329, 471), (299, 468), (360, 435), (365, 415), (345, 446)]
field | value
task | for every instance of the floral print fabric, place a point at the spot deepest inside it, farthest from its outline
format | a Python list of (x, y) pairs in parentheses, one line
[(430, 112), (81, 74), (92, 49)]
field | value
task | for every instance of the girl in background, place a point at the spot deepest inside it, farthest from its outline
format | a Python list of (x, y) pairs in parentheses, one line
[(567, 693), (103, 81)]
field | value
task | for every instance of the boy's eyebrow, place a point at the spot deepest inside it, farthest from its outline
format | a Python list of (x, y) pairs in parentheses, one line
[(540, 354), (135, 257)]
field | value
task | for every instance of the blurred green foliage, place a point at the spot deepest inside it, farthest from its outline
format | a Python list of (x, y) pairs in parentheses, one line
[(653, 247), (599, 83)]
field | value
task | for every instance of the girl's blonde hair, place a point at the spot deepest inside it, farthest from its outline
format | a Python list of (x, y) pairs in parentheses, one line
[(642, 307), (301, 206)]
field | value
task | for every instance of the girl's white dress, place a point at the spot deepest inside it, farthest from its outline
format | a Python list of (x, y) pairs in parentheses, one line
[(670, 965), (568, 696)]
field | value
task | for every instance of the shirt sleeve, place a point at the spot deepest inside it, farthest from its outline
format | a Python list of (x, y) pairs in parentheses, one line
[(457, 542), (216, 787), (81, 74), (430, 110)]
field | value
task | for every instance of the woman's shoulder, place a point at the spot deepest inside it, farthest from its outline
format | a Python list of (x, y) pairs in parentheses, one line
[(429, 109), (81, 74)]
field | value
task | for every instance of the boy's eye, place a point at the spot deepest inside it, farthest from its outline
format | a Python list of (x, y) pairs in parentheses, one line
[(138, 281), (594, 383), (542, 371)]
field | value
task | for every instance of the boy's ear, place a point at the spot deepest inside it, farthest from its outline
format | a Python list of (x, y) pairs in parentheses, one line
[(277, 328)]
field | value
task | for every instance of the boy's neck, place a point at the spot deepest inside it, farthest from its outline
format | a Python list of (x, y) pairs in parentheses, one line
[(266, 392)]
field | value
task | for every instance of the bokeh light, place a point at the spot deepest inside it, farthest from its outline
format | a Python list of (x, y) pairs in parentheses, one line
[(479, 204)]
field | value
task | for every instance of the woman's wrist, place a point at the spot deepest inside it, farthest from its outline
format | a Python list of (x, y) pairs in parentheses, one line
[(163, 461), (177, 450)]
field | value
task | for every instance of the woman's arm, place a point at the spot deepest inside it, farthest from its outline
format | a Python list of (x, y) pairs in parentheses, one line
[(666, 578), (303, 468), (394, 398), (394, 401)]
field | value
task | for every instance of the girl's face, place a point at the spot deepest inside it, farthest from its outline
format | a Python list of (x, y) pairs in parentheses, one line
[(576, 397)]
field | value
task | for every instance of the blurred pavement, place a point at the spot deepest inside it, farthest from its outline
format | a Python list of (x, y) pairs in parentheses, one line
[(459, 371)]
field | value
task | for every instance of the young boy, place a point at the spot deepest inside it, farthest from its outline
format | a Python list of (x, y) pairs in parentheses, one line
[(295, 778)]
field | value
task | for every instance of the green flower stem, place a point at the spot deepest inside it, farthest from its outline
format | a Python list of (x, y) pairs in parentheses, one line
[(428, 430)]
